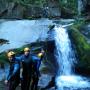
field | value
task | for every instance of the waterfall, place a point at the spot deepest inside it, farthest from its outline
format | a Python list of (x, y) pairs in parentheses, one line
[(65, 56), (80, 6)]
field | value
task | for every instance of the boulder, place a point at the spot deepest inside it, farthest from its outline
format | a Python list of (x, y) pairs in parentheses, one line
[(82, 48), (13, 11), (85, 30)]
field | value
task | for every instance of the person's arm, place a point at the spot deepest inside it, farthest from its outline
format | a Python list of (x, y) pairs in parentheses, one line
[(16, 67), (7, 78)]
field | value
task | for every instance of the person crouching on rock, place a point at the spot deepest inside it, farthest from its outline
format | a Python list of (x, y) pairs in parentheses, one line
[(13, 78)]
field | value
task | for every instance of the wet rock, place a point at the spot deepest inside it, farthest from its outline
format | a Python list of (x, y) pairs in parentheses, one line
[(86, 4), (44, 80), (13, 11), (19, 10), (53, 9), (33, 12), (50, 85), (82, 48), (3, 41), (85, 30), (82, 70), (51, 27), (67, 13)]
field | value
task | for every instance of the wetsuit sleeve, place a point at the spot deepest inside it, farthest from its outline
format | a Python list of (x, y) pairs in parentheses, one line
[(39, 61), (19, 59), (10, 75), (38, 64), (36, 59)]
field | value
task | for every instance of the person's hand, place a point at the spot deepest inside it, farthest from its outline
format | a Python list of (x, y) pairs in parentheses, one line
[(6, 81), (19, 84)]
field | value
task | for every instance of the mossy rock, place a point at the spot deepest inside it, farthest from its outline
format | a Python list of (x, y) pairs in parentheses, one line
[(82, 47)]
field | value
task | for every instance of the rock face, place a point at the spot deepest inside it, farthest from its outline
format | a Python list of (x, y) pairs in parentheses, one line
[(53, 8), (14, 10), (80, 40), (86, 4), (85, 30), (48, 8), (11, 10)]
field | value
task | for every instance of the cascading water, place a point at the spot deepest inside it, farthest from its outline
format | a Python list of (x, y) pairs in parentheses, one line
[(66, 57), (64, 51), (80, 6)]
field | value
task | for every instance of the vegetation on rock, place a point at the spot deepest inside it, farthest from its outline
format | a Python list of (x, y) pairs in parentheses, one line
[(81, 45)]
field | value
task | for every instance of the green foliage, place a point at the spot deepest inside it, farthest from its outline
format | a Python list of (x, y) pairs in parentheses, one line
[(69, 4), (28, 2), (3, 58), (78, 23)]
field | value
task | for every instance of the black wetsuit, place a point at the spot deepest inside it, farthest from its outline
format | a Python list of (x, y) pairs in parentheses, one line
[(14, 74), (36, 62), (27, 72)]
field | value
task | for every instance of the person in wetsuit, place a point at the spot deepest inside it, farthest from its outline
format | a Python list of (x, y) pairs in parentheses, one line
[(13, 78), (36, 62), (26, 69)]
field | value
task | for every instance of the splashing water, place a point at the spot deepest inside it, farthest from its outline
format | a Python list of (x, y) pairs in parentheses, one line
[(66, 57)]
